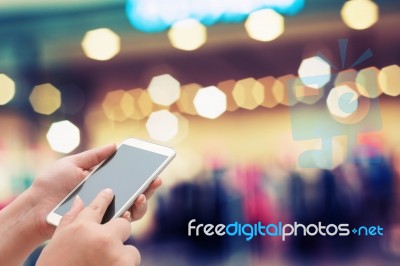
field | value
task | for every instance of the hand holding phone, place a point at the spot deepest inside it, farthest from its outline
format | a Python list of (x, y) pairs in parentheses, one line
[(80, 239), (128, 172)]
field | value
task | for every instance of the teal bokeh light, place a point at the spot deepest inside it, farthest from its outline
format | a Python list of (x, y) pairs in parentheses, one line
[(159, 15)]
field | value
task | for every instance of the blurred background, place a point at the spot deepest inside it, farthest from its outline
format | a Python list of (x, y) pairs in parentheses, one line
[(279, 111)]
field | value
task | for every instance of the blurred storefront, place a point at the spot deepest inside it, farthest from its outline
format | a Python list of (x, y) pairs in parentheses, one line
[(242, 90)]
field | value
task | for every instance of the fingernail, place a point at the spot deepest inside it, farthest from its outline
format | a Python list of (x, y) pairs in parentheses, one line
[(76, 200), (108, 191)]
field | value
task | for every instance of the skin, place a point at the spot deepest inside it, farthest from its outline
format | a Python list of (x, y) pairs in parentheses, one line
[(23, 221), (80, 239)]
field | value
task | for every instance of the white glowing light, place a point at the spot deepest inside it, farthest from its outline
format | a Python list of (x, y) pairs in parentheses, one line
[(360, 14), (264, 25), (164, 90), (63, 136), (342, 101), (101, 44), (162, 125), (187, 34), (7, 89), (210, 102), (314, 72)]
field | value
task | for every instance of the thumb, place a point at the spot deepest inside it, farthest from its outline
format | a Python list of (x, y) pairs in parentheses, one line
[(76, 208)]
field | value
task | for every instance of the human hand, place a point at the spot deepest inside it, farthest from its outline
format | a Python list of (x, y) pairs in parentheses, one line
[(49, 188), (80, 239)]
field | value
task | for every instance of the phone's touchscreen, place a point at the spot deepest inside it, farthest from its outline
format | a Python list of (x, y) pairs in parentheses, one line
[(124, 172)]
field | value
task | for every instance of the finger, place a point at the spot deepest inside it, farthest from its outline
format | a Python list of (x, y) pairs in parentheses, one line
[(119, 227), (76, 208), (133, 255), (96, 209), (93, 157), (152, 188), (85, 172), (127, 216), (139, 208)]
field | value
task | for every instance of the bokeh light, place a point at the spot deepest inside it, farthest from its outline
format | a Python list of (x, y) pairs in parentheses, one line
[(227, 87), (269, 83), (45, 99), (210, 102), (264, 25), (342, 101), (118, 105), (144, 103), (156, 15), (185, 102), (136, 112), (248, 93), (162, 125), (187, 34), (282, 89), (367, 82), (183, 129), (101, 44), (63, 136), (389, 80), (314, 72), (297, 91), (360, 14), (7, 89), (347, 76), (164, 90)]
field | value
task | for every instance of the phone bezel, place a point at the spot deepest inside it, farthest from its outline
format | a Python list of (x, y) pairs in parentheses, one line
[(54, 218)]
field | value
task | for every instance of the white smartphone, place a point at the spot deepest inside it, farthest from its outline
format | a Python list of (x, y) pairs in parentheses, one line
[(128, 172)]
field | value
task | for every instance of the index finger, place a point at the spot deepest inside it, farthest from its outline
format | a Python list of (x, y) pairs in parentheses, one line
[(93, 157), (97, 208)]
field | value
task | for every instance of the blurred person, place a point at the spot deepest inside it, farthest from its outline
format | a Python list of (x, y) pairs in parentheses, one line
[(80, 239)]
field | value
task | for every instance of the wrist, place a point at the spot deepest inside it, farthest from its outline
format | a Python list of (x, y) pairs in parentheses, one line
[(19, 231), (40, 209)]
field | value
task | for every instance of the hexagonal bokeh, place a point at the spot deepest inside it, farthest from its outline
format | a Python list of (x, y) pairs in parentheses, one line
[(183, 130), (342, 101), (162, 125), (185, 102), (269, 83), (367, 82), (187, 34), (314, 72), (101, 44), (227, 87), (7, 89), (164, 90), (45, 99), (248, 93), (345, 77), (389, 80), (210, 102), (136, 112), (144, 103), (360, 14), (63, 136), (264, 25), (118, 105)]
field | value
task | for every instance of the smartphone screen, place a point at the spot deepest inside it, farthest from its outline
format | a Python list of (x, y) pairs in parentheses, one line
[(124, 172)]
